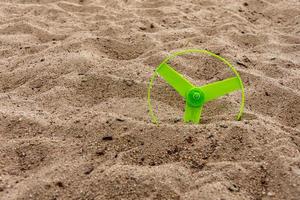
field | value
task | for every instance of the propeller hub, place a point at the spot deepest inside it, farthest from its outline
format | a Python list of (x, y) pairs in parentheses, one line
[(195, 97)]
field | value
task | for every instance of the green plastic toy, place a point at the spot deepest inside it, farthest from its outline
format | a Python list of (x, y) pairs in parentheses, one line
[(196, 96)]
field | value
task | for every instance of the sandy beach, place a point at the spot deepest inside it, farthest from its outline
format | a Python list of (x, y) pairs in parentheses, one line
[(74, 120)]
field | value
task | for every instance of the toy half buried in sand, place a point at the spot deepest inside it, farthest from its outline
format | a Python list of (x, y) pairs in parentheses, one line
[(196, 96)]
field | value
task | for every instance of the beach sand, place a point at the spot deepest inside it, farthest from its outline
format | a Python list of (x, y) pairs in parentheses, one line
[(73, 100)]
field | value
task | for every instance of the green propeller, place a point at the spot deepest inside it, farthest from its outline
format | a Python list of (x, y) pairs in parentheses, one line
[(195, 96)]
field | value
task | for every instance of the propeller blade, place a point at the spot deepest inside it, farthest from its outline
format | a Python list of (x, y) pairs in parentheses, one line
[(175, 79), (220, 88), (192, 114)]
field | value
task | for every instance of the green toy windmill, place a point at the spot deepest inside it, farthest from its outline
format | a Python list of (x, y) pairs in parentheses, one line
[(196, 96)]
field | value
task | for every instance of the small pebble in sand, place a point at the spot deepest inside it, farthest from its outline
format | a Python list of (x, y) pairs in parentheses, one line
[(107, 138), (271, 194), (129, 82), (189, 139), (177, 119), (100, 152), (88, 170), (233, 188), (223, 126), (59, 184), (120, 119)]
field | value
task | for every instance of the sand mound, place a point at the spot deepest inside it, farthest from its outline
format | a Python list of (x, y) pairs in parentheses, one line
[(73, 109)]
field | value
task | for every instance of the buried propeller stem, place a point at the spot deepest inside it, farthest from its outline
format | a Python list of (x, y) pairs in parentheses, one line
[(193, 106)]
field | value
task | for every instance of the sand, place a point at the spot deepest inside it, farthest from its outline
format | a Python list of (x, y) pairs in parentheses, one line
[(73, 100)]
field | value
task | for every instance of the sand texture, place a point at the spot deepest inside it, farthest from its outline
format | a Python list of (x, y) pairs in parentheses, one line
[(73, 100)]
